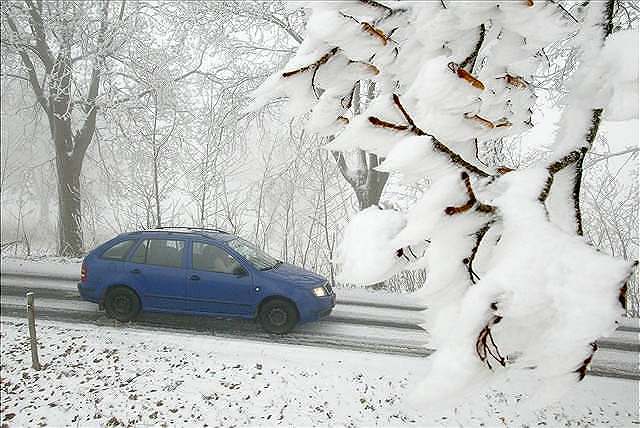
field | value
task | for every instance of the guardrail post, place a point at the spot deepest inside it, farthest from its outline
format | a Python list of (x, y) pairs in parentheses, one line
[(31, 317)]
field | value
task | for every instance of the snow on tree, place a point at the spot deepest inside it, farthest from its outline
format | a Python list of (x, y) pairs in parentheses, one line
[(514, 291)]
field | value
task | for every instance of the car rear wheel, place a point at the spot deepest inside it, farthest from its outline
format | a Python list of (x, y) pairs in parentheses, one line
[(122, 304), (278, 316)]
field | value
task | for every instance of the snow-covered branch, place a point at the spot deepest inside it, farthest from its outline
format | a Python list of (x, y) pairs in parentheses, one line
[(503, 267)]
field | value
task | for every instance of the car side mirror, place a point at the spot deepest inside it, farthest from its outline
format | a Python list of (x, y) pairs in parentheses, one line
[(239, 271)]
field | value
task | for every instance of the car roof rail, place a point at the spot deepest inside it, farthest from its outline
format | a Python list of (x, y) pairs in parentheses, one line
[(188, 228)]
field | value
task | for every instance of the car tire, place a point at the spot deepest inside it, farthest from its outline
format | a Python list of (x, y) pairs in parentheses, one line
[(278, 316), (122, 303)]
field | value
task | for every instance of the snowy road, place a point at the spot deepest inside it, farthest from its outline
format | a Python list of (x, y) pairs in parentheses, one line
[(347, 310), (375, 322)]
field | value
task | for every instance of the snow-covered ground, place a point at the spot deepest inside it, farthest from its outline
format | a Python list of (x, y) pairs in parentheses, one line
[(110, 376), (56, 267)]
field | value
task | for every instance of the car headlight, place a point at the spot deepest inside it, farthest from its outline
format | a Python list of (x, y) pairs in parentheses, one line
[(319, 292)]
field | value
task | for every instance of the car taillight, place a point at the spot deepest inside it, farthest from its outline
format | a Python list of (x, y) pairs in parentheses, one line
[(83, 273)]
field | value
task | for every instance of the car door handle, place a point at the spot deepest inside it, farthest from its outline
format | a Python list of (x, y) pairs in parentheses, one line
[(135, 271), (195, 278)]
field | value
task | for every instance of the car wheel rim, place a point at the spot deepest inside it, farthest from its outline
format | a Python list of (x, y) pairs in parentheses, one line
[(122, 305), (277, 317)]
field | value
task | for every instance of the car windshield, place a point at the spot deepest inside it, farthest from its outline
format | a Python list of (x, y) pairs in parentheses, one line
[(255, 255)]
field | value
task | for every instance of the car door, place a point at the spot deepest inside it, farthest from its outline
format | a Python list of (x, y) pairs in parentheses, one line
[(218, 283), (157, 269)]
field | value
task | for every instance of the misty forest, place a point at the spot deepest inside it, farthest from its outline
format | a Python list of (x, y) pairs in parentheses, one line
[(120, 116)]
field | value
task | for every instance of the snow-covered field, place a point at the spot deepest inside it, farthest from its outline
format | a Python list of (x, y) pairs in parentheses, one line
[(103, 376)]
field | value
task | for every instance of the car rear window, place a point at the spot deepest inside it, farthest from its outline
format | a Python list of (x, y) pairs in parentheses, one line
[(118, 251)]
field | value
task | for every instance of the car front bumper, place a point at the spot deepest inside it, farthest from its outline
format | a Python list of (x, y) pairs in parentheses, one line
[(325, 313), (324, 308)]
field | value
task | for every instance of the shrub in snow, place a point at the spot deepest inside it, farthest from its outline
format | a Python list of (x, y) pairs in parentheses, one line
[(514, 291)]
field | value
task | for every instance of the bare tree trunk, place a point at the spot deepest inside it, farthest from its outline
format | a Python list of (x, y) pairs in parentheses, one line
[(69, 216), (328, 241), (68, 166), (366, 182)]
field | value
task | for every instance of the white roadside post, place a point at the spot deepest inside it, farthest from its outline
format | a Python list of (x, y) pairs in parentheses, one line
[(31, 317)]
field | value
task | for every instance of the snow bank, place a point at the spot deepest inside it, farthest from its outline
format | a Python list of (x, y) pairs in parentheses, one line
[(48, 266)]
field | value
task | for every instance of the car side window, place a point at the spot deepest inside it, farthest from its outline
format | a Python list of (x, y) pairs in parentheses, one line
[(159, 252), (118, 251), (213, 259)]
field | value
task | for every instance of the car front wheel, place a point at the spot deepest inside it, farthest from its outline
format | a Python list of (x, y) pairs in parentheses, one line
[(278, 316), (122, 304)]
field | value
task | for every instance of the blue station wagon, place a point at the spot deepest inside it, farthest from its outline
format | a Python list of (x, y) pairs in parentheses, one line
[(201, 272)]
